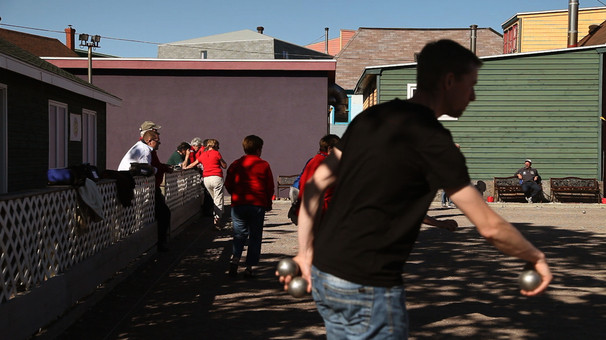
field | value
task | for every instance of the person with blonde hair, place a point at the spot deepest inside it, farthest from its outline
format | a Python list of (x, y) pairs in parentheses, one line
[(212, 174)]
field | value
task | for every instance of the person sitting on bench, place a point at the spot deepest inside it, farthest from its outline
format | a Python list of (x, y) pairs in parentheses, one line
[(529, 180)]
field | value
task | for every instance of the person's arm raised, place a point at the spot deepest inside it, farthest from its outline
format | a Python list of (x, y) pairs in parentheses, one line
[(500, 233)]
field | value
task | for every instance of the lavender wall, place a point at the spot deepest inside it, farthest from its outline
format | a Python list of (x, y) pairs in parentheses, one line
[(288, 112)]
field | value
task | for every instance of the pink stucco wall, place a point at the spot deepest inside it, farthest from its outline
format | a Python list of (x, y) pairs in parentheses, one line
[(288, 111)]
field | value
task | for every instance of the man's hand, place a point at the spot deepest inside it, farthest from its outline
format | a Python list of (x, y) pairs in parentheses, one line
[(450, 225), (543, 269)]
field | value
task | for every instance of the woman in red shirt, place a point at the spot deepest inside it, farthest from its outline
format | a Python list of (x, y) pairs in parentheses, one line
[(212, 173)]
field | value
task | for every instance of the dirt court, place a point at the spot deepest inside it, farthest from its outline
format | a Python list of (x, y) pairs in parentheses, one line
[(457, 285)]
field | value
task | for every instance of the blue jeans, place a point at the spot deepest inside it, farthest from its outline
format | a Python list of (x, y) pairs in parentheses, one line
[(353, 311), (445, 199), (247, 221), (531, 189)]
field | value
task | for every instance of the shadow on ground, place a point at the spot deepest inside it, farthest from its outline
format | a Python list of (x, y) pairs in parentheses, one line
[(460, 287)]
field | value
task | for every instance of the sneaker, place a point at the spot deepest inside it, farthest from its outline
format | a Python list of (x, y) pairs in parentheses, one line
[(529, 199)]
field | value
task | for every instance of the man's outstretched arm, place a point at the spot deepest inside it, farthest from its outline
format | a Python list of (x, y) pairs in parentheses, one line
[(500, 233)]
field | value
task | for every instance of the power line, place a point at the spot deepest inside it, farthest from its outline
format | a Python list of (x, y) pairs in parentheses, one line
[(206, 47)]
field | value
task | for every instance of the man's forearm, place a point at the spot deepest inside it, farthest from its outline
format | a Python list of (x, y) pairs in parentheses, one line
[(493, 227)]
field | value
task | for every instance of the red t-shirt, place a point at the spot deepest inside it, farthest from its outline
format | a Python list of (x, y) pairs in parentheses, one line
[(250, 181), (308, 172), (210, 163), (193, 154)]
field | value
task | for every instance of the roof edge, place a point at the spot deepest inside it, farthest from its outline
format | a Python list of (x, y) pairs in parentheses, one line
[(508, 21), (198, 64), (15, 65)]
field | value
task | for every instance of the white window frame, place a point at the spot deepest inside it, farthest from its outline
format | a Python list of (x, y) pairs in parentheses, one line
[(89, 136), (57, 135), (3, 139), (410, 91)]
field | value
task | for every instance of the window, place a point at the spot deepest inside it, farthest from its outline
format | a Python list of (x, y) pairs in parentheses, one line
[(510, 39), (341, 117), (410, 90), (57, 135), (203, 54), (89, 137), (3, 141)]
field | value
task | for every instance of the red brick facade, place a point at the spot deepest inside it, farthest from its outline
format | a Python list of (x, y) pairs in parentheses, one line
[(388, 46)]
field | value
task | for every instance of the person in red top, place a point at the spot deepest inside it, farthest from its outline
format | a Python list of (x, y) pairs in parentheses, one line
[(250, 182), (194, 152), (327, 143), (212, 173)]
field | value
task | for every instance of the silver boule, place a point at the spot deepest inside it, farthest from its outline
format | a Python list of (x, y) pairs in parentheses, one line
[(287, 267), (529, 279), (297, 287)]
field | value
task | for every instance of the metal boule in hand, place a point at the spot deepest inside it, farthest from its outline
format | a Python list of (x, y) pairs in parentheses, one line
[(529, 279), (287, 267), (297, 287)]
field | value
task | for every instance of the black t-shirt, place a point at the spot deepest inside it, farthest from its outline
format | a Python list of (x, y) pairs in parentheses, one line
[(528, 174), (395, 157)]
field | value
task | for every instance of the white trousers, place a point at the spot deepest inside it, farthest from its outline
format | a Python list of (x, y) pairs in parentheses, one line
[(214, 185)]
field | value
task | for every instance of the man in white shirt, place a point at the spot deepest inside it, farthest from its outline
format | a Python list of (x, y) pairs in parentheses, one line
[(141, 151)]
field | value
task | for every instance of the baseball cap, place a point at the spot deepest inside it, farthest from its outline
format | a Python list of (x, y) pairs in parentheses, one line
[(528, 160), (149, 125)]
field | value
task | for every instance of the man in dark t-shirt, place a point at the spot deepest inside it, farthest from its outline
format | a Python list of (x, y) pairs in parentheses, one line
[(529, 180), (391, 161)]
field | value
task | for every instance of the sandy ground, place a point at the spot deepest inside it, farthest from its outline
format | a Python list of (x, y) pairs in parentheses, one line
[(458, 286)]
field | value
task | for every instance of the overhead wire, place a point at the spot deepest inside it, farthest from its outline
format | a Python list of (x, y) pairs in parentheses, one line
[(206, 47)]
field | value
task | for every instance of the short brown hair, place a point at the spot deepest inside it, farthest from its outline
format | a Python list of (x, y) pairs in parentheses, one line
[(252, 144), (329, 141), (441, 57)]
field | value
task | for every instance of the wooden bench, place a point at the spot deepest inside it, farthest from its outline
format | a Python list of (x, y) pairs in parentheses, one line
[(508, 189), (575, 189), (285, 182)]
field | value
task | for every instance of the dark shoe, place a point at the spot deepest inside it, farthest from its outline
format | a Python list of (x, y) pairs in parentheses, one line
[(233, 270), (249, 273)]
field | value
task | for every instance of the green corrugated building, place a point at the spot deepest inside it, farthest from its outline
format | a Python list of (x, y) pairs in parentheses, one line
[(546, 106)]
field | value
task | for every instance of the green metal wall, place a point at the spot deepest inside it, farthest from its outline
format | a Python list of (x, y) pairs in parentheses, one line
[(541, 106)]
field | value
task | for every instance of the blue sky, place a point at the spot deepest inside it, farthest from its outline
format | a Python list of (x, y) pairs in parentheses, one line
[(132, 28)]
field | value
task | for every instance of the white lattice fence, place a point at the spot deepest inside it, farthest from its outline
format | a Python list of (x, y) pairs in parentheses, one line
[(45, 234)]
